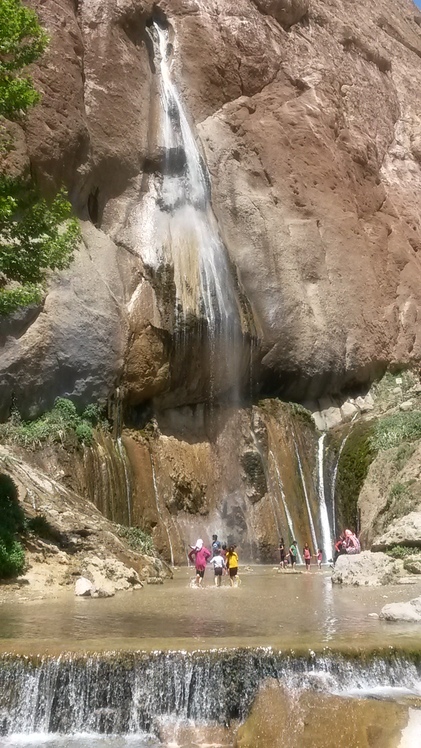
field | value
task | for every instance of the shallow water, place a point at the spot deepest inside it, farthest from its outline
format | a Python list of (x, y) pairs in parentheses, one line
[(269, 608)]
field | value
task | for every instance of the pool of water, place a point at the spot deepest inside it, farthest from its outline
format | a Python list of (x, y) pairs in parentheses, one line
[(269, 608)]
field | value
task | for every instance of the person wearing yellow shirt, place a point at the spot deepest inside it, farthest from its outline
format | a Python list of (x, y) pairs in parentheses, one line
[(232, 565)]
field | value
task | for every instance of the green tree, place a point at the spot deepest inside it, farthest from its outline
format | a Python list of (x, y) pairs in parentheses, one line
[(22, 41), (35, 236)]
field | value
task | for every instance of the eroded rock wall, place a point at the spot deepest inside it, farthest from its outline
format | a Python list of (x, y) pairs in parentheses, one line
[(308, 115)]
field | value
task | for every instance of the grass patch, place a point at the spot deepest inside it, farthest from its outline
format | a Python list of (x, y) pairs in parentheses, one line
[(62, 424), (402, 551), (395, 429), (137, 539)]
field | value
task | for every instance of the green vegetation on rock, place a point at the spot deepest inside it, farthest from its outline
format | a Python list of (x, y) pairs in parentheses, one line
[(61, 424), (401, 551), (356, 458), (35, 235), (137, 539), (12, 556), (392, 430)]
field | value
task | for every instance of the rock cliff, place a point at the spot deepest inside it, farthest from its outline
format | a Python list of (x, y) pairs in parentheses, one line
[(308, 118)]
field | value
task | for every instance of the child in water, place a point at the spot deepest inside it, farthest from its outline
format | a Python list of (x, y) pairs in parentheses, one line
[(232, 565), (218, 565), (319, 559), (307, 556)]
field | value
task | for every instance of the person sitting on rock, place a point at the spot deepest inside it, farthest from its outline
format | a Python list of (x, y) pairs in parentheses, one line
[(352, 544)]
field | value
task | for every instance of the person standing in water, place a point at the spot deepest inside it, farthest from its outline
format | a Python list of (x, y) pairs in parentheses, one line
[(232, 565), (216, 545), (319, 559), (199, 556), (293, 552), (307, 556), (218, 565), (282, 553)]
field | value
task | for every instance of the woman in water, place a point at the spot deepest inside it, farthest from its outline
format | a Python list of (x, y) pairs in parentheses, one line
[(199, 556)]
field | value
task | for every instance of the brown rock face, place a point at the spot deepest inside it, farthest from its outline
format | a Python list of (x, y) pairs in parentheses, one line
[(286, 12), (312, 141)]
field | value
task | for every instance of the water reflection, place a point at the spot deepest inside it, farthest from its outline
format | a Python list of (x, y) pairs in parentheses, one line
[(269, 608)]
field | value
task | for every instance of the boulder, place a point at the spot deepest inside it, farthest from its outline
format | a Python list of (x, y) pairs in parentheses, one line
[(83, 587), (413, 564), (403, 531), (407, 405), (410, 611), (366, 569)]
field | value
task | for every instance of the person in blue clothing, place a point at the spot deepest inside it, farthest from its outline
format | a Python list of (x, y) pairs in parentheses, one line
[(216, 545)]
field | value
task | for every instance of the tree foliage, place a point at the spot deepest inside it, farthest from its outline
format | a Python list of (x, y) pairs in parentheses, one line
[(12, 556), (22, 41), (35, 236)]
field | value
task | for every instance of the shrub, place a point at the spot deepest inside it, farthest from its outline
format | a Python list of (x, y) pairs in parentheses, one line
[(400, 427), (61, 424), (137, 539), (12, 556)]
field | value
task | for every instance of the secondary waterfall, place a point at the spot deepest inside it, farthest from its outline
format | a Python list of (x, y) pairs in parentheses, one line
[(285, 505), (303, 483), (129, 693), (158, 509), (324, 517)]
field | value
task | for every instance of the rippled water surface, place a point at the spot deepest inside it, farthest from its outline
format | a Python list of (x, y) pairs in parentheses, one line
[(268, 608)]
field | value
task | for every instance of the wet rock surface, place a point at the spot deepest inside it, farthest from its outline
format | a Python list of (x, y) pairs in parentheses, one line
[(366, 568), (410, 611)]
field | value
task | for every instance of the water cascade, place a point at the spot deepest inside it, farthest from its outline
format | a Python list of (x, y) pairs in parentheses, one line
[(303, 483), (129, 693), (324, 517), (123, 457), (284, 504), (158, 509), (175, 227)]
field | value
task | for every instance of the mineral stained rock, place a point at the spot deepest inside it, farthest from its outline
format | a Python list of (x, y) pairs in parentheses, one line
[(308, 117)]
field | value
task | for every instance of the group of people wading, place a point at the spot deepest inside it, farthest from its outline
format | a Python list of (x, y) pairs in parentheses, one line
[(347, 543), (223, 558)]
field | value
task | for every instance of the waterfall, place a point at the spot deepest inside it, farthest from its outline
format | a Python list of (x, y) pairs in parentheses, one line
[(158, 509), (130, 692), (193, 233), (303, 483), (285, 505), (122, 453), (324, 517), (174, 230)]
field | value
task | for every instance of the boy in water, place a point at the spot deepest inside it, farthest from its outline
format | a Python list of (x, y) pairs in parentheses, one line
[(232, 565), (218, 565)]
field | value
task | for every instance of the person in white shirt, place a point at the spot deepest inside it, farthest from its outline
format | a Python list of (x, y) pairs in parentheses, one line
[(218, 565)]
